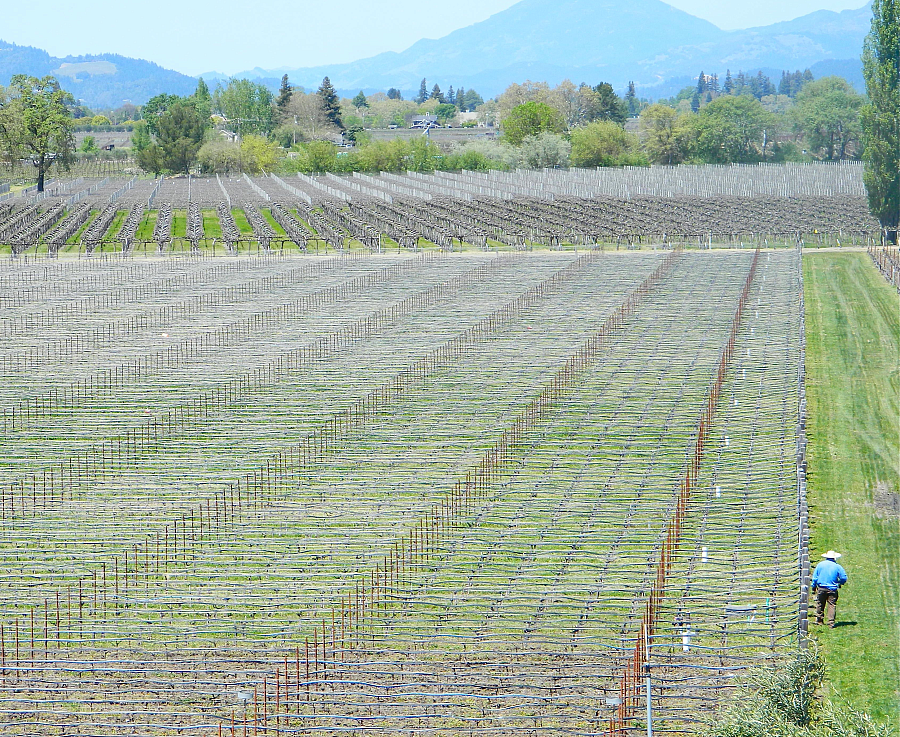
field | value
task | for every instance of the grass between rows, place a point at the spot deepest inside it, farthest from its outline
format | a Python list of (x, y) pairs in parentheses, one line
[(853, 350)]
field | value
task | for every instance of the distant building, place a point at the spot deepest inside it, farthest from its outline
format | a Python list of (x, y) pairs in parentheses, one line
[(425, 121), (469, 118)]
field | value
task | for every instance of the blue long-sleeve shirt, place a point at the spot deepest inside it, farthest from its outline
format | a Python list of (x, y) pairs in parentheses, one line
[(829, 575)]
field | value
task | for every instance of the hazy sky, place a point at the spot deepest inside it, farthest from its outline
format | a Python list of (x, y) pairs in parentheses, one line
[(195, 36)]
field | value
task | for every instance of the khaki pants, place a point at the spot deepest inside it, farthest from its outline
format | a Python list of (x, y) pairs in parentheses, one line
[(826, 597)]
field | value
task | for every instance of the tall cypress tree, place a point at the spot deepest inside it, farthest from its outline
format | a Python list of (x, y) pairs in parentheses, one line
[(881, 115), (631, 100), (331, 104)]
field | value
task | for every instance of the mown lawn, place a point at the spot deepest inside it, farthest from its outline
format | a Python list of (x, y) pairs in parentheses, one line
[(853, 352)]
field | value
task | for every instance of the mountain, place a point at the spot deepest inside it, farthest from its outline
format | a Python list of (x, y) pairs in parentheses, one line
[(646, 41), (100, 81), (649, 42)]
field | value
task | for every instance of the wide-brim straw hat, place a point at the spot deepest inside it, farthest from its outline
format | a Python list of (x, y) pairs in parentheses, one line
[(831, 555)]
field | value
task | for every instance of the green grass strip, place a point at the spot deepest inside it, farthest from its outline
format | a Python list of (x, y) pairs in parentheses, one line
[(853, 353)]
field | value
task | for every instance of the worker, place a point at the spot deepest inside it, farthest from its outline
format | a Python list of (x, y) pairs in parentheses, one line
[(827, 579)]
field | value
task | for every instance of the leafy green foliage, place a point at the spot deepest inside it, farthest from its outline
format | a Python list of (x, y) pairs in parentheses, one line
[(605, 143), (731, 129), (156, 106), (181, 128), (88, 145), (202, 99), (665, 134), (881, 116), (605, 104), (530, 119), (780, 702), (360, 101), (140, 137), (36, 122), (827, 113), (246, 106)]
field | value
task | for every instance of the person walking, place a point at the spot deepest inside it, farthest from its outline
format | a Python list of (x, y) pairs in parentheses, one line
[(827, 579)]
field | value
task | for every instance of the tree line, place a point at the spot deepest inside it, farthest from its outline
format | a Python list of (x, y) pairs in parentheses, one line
[(244, 126)]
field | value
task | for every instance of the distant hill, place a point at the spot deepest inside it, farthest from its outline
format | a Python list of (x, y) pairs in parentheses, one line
[(646, 41), (101, 80), (649, 42)]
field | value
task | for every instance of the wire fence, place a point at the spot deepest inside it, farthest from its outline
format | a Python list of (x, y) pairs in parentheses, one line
[(404, 493)]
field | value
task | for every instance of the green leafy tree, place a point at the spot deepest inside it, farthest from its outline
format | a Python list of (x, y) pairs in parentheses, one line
[(732, 129), (247, 106), (330, 103), (471, 100), (360, 102), (530, 119), (664, 135), (605, 104), (100, 120), (181, 130), (140, 136), (156, 106), (445, 112), (36, 123), (604, 143), (881, 115), (545, 150), (258, 155), (826, 112), (219, 157), (202, 99), (88, 145), (321, 156)]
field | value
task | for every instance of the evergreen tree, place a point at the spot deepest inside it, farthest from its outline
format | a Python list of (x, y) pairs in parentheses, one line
[(784, 86), (331, 104), (608, 105), (423, 93), (472, 101), (880, 116), (728, 88), (807, 77), (701, 83), (631, 100), (360, 102), (436, 94), (695, 102), (394, 94), (714, 85), (203, 99), (284, 95), (461, 99), (451, 96), (740, 83)]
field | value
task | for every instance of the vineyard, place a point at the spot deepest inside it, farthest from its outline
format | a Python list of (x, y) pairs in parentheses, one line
[(689, 207), (407, 492)]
